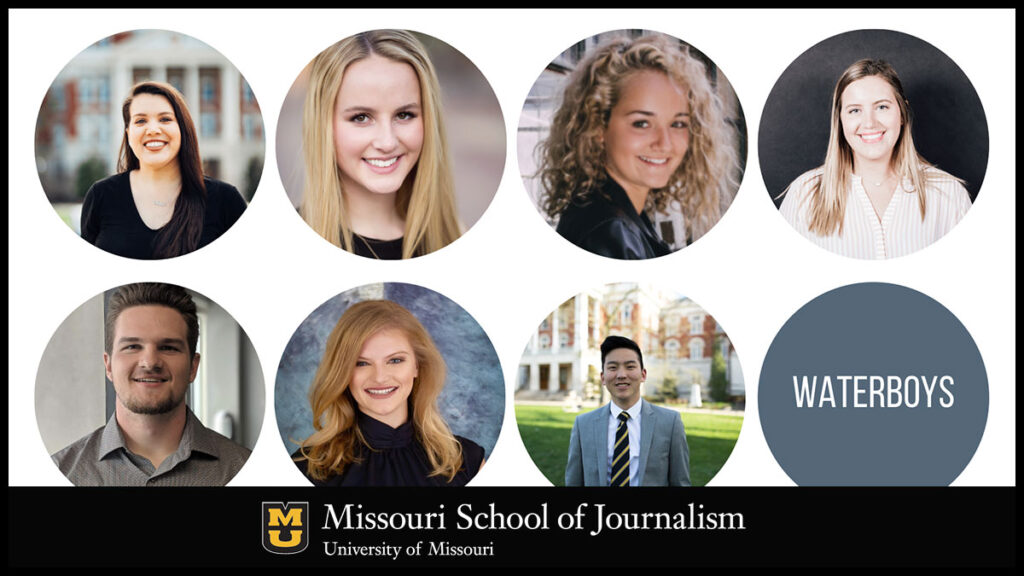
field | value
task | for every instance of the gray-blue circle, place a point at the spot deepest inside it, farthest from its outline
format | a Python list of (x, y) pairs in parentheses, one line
[(864, 438)]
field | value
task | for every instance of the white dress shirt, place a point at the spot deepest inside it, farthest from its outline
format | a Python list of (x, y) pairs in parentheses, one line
[(633, 426), (900, 230)]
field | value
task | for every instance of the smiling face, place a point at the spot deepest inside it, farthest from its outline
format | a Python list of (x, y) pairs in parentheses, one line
[(378, 125), (622, 376), (871, 119), (383, 377), (149, 362), (153, 132), (648, 133)]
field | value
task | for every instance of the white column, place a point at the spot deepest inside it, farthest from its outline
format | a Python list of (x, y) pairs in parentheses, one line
[(120, 88), (192, 96), (534, 376), (553, 377), (232, 168), (580, 333), (554, 331), (578, 374)]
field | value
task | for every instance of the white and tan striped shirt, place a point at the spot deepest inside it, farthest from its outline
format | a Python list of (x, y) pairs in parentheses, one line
[(900, 231)]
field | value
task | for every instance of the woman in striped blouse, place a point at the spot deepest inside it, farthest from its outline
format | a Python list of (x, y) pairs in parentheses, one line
[(875, 197)]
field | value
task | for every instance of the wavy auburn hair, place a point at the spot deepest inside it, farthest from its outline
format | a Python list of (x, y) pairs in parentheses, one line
[(572, 158), (337, 440), (828, 197), (426, 200), (181, 234)]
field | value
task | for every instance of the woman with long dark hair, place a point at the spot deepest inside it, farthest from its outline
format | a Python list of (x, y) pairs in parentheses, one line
[(159, 204)]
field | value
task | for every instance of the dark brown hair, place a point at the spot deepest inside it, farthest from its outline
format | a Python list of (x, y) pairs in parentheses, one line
[(152, 294), (181, 234)]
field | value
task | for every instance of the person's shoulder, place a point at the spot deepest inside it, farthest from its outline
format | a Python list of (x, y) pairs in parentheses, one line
[(470, 449), (582, 217), (223, 200), (595, 413), (661, 409), (804, 181), (300, 461), (112, 183), (220, 190), (606, 231), (467, 443), (224, 447), (666, 417), (83, 450), (943, 183), (303, 466)]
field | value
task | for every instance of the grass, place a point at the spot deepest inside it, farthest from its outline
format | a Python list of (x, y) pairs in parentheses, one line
[(546, 429)]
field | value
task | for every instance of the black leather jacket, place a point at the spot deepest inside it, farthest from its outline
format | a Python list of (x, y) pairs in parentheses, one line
[(609, 226)]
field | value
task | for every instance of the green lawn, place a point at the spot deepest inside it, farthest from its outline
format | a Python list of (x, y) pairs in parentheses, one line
[(546, 429)]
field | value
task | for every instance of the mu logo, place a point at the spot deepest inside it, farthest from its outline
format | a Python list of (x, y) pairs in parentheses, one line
[(285, 527)]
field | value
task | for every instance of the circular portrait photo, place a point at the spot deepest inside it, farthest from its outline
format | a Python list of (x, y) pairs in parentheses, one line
[(391, 144), (873, 144), (632, 144), (149, 144), (629, 385), (149, 384), (389, 385)]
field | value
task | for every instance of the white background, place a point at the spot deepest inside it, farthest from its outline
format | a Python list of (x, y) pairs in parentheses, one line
[(751, 272)]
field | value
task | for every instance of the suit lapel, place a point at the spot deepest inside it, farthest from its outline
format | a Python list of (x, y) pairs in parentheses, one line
[(648, 423), (599, 430)]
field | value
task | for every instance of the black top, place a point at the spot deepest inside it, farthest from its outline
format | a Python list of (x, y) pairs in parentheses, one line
[(608, 225), (111, 222), (397, 459), (377, 249)]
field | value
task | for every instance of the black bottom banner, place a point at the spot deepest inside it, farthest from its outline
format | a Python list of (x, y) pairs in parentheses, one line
[(578, 527)]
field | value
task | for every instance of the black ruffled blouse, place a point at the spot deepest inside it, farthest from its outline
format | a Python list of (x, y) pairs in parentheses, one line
[(395, 458)]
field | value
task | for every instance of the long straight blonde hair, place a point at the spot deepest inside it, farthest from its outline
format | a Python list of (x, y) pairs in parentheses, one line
[(829, 191), (337, 440), (426, 200)]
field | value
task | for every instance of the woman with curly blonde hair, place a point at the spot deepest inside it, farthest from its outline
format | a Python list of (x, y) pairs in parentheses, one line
[(378, 176), (640, 129), (374, 400), (875, 196)]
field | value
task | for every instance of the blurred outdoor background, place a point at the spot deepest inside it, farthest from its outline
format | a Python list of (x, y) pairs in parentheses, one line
[(80, 128)]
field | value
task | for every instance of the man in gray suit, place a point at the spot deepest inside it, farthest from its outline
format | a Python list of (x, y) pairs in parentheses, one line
[(627, 442)]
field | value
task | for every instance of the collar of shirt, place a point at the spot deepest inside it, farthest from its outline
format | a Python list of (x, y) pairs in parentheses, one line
[(633, 411), (192, 440)]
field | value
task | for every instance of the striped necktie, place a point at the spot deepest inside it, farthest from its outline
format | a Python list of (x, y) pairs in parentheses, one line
[(620, 453)]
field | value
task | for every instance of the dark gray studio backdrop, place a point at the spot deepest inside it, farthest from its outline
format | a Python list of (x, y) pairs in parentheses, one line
[(950, 129), (473, 399)]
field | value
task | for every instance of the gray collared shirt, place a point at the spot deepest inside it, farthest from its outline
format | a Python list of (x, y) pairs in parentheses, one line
[(203, 458)]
